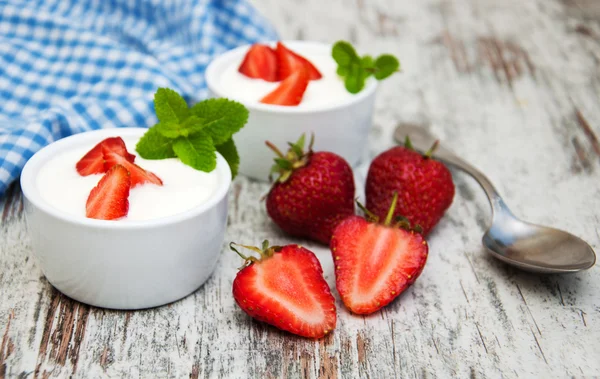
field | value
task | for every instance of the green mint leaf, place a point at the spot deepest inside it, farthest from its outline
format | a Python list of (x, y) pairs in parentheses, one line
[(342, 70), (168, 129), (173, 129), (191, 125), (197, 151), (193, 135), (355, 80), (213, 123), (356, 70), (367, 63), (225, 117), (385, 66), (229, 152), (169, 105), (154, 145), (344, 54)]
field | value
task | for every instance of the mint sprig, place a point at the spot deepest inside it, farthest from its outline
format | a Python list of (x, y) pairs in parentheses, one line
[(193, 134), (197, 151), (355, 70), (229, 152)]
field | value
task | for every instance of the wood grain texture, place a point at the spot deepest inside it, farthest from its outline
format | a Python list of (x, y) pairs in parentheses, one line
[(514, 87)]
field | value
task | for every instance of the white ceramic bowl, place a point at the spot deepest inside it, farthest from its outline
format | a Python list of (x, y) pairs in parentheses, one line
[(342, 128), (124, 265)]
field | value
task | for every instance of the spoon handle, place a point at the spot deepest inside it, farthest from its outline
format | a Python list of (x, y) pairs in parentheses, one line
[(422, 140)]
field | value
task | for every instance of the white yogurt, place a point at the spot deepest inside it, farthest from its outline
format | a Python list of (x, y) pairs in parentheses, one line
[(61, 186), (327, 90)]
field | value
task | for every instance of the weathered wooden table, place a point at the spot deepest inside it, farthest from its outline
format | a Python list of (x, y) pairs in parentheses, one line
[(514, 87)]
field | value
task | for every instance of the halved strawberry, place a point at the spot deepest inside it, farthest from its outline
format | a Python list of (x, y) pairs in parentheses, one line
[(286, 288), (375, 262), (93, 161), (109, 199), (290, 91), (138, 174), (289, 62), (260, 62)]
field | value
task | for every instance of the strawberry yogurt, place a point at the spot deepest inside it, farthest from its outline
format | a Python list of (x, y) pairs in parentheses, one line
[(183, 188), (325, 91)]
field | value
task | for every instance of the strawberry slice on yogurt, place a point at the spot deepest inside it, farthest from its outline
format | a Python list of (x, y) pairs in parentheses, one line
[(260, 62), (138, 175), (290, 91), (289, 63), (109, 200), (93, 161)]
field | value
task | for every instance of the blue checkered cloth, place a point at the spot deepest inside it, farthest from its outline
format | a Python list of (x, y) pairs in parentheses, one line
[(67, 66)]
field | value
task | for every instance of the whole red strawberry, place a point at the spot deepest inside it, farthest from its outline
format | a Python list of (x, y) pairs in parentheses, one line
[(314, 192), (424, 186), (375, 261), (285, 288)]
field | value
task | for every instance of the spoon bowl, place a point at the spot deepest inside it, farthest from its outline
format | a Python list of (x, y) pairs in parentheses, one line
[(536, 248), (521, 244)]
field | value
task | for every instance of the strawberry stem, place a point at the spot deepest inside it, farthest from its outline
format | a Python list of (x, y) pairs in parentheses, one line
[(311, 143), (265, 252), (402, 222), (265, 245), (390, 214), (231, 244), (294, 159), (253, 248), (432, 149), (370, 215), (408, 144), (275, 149)]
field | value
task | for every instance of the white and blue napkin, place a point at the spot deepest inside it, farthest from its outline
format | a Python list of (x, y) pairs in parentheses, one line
[(67, 66)]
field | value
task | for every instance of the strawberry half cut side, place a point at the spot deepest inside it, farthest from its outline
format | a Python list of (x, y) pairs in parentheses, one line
[(375, 262), (285, 288), (260, 62), (290, 91), (289, 62), (138, 175), (109, 199), (93, 161)]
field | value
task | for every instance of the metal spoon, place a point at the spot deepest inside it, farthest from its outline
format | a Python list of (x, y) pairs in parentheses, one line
[(527, 246)]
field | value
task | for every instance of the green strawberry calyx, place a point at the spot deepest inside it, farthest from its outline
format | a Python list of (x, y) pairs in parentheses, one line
[(428, 154), (390, 220), (295, 158), (265, 252)]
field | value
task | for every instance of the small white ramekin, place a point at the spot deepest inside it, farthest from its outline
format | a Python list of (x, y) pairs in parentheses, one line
[(342, 128), (123, 265)]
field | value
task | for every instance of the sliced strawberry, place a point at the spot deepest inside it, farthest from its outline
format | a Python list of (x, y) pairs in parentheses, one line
[(93, 161), (260, 62), (117, 145), (138, 174), (375, 262), (286, 288), (290, 91), (109, 199), (289, 62)]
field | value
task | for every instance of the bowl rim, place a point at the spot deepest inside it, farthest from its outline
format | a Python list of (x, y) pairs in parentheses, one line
[(236, 53), (33, 165)]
